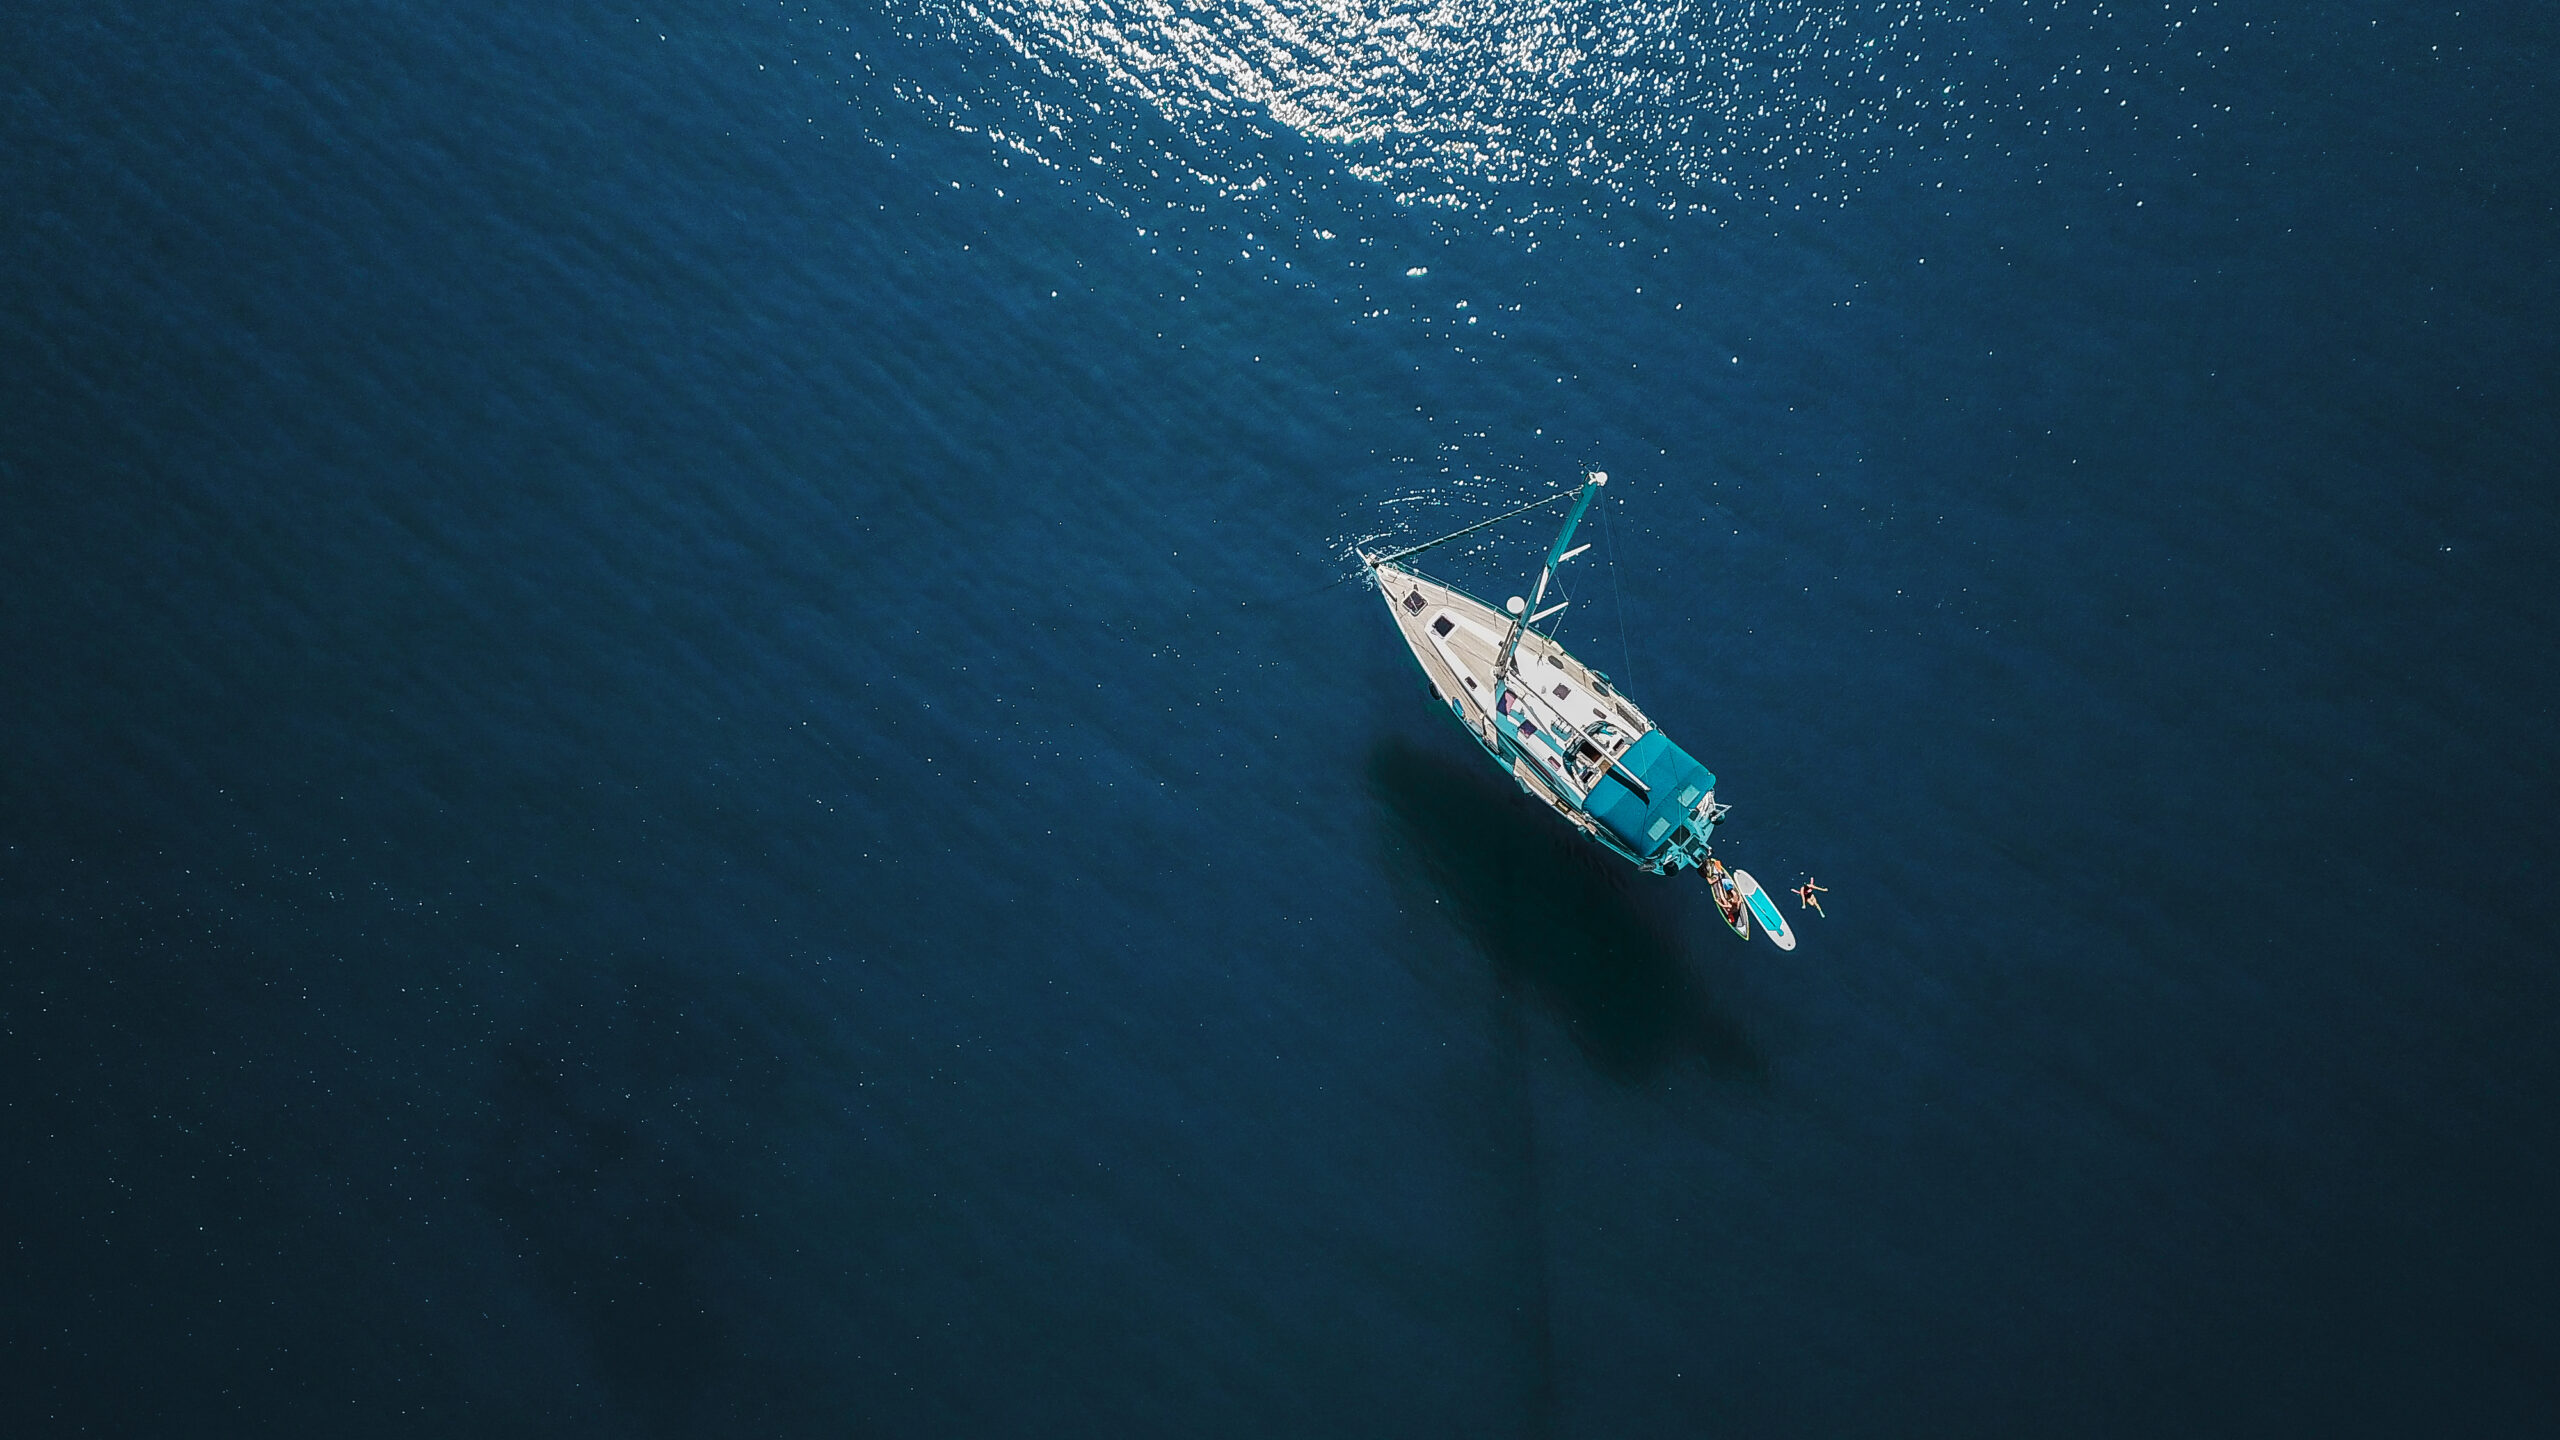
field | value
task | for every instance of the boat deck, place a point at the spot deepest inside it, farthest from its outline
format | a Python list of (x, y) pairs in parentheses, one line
[(1571, 722)]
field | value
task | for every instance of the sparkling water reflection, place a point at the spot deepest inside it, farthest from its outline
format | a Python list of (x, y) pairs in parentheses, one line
[(1672, 105)]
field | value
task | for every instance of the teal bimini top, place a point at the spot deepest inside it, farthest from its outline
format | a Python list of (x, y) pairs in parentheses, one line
[(1673, 781)]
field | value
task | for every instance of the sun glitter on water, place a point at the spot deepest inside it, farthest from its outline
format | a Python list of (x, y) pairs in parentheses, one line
[(1670, 106)]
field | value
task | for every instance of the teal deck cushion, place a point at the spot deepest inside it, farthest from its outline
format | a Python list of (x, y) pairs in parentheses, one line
[(1674, 783)]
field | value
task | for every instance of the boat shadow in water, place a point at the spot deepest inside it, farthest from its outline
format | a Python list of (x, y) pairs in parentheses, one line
[(1598, 943)]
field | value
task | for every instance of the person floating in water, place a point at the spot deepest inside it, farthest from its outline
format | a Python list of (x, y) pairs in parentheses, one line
[(1806, 892)]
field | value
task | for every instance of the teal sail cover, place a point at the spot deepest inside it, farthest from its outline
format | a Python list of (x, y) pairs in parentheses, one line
[(1674, 783)]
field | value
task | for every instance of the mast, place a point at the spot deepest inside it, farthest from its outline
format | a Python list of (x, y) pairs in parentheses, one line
[(1523, 614)]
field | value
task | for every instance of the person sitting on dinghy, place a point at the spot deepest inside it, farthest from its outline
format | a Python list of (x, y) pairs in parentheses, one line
[(1720, 884)]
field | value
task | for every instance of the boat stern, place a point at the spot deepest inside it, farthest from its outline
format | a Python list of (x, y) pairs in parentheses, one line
[(1659, 802)]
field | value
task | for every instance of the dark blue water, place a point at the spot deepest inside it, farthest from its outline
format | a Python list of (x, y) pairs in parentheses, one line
[(678, 753)]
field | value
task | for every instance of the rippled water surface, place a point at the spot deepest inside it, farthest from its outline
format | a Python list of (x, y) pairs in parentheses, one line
[(1451, 104), (690, 747)]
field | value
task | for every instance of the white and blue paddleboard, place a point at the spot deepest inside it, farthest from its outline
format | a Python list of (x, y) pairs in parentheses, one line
[(1764, 910)]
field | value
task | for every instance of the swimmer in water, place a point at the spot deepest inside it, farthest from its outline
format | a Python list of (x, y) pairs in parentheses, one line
[(1805, 894)]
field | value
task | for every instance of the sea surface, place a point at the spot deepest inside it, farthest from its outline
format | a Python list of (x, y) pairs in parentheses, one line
[(689, 745)]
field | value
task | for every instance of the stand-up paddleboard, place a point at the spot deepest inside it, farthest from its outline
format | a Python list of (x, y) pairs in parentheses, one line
[(1772, 924), (1722, 889)]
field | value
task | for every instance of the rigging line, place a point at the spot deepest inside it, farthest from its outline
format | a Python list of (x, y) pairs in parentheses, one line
[(1617, 597), (1454, 534)]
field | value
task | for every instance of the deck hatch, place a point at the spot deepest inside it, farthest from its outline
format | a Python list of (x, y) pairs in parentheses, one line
[(1443, 625), (1414, 602)]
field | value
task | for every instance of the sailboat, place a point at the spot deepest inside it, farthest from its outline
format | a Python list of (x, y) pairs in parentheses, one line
[(1557, 726)]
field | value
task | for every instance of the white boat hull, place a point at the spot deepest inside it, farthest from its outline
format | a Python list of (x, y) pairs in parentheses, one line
[(1457, 639)]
